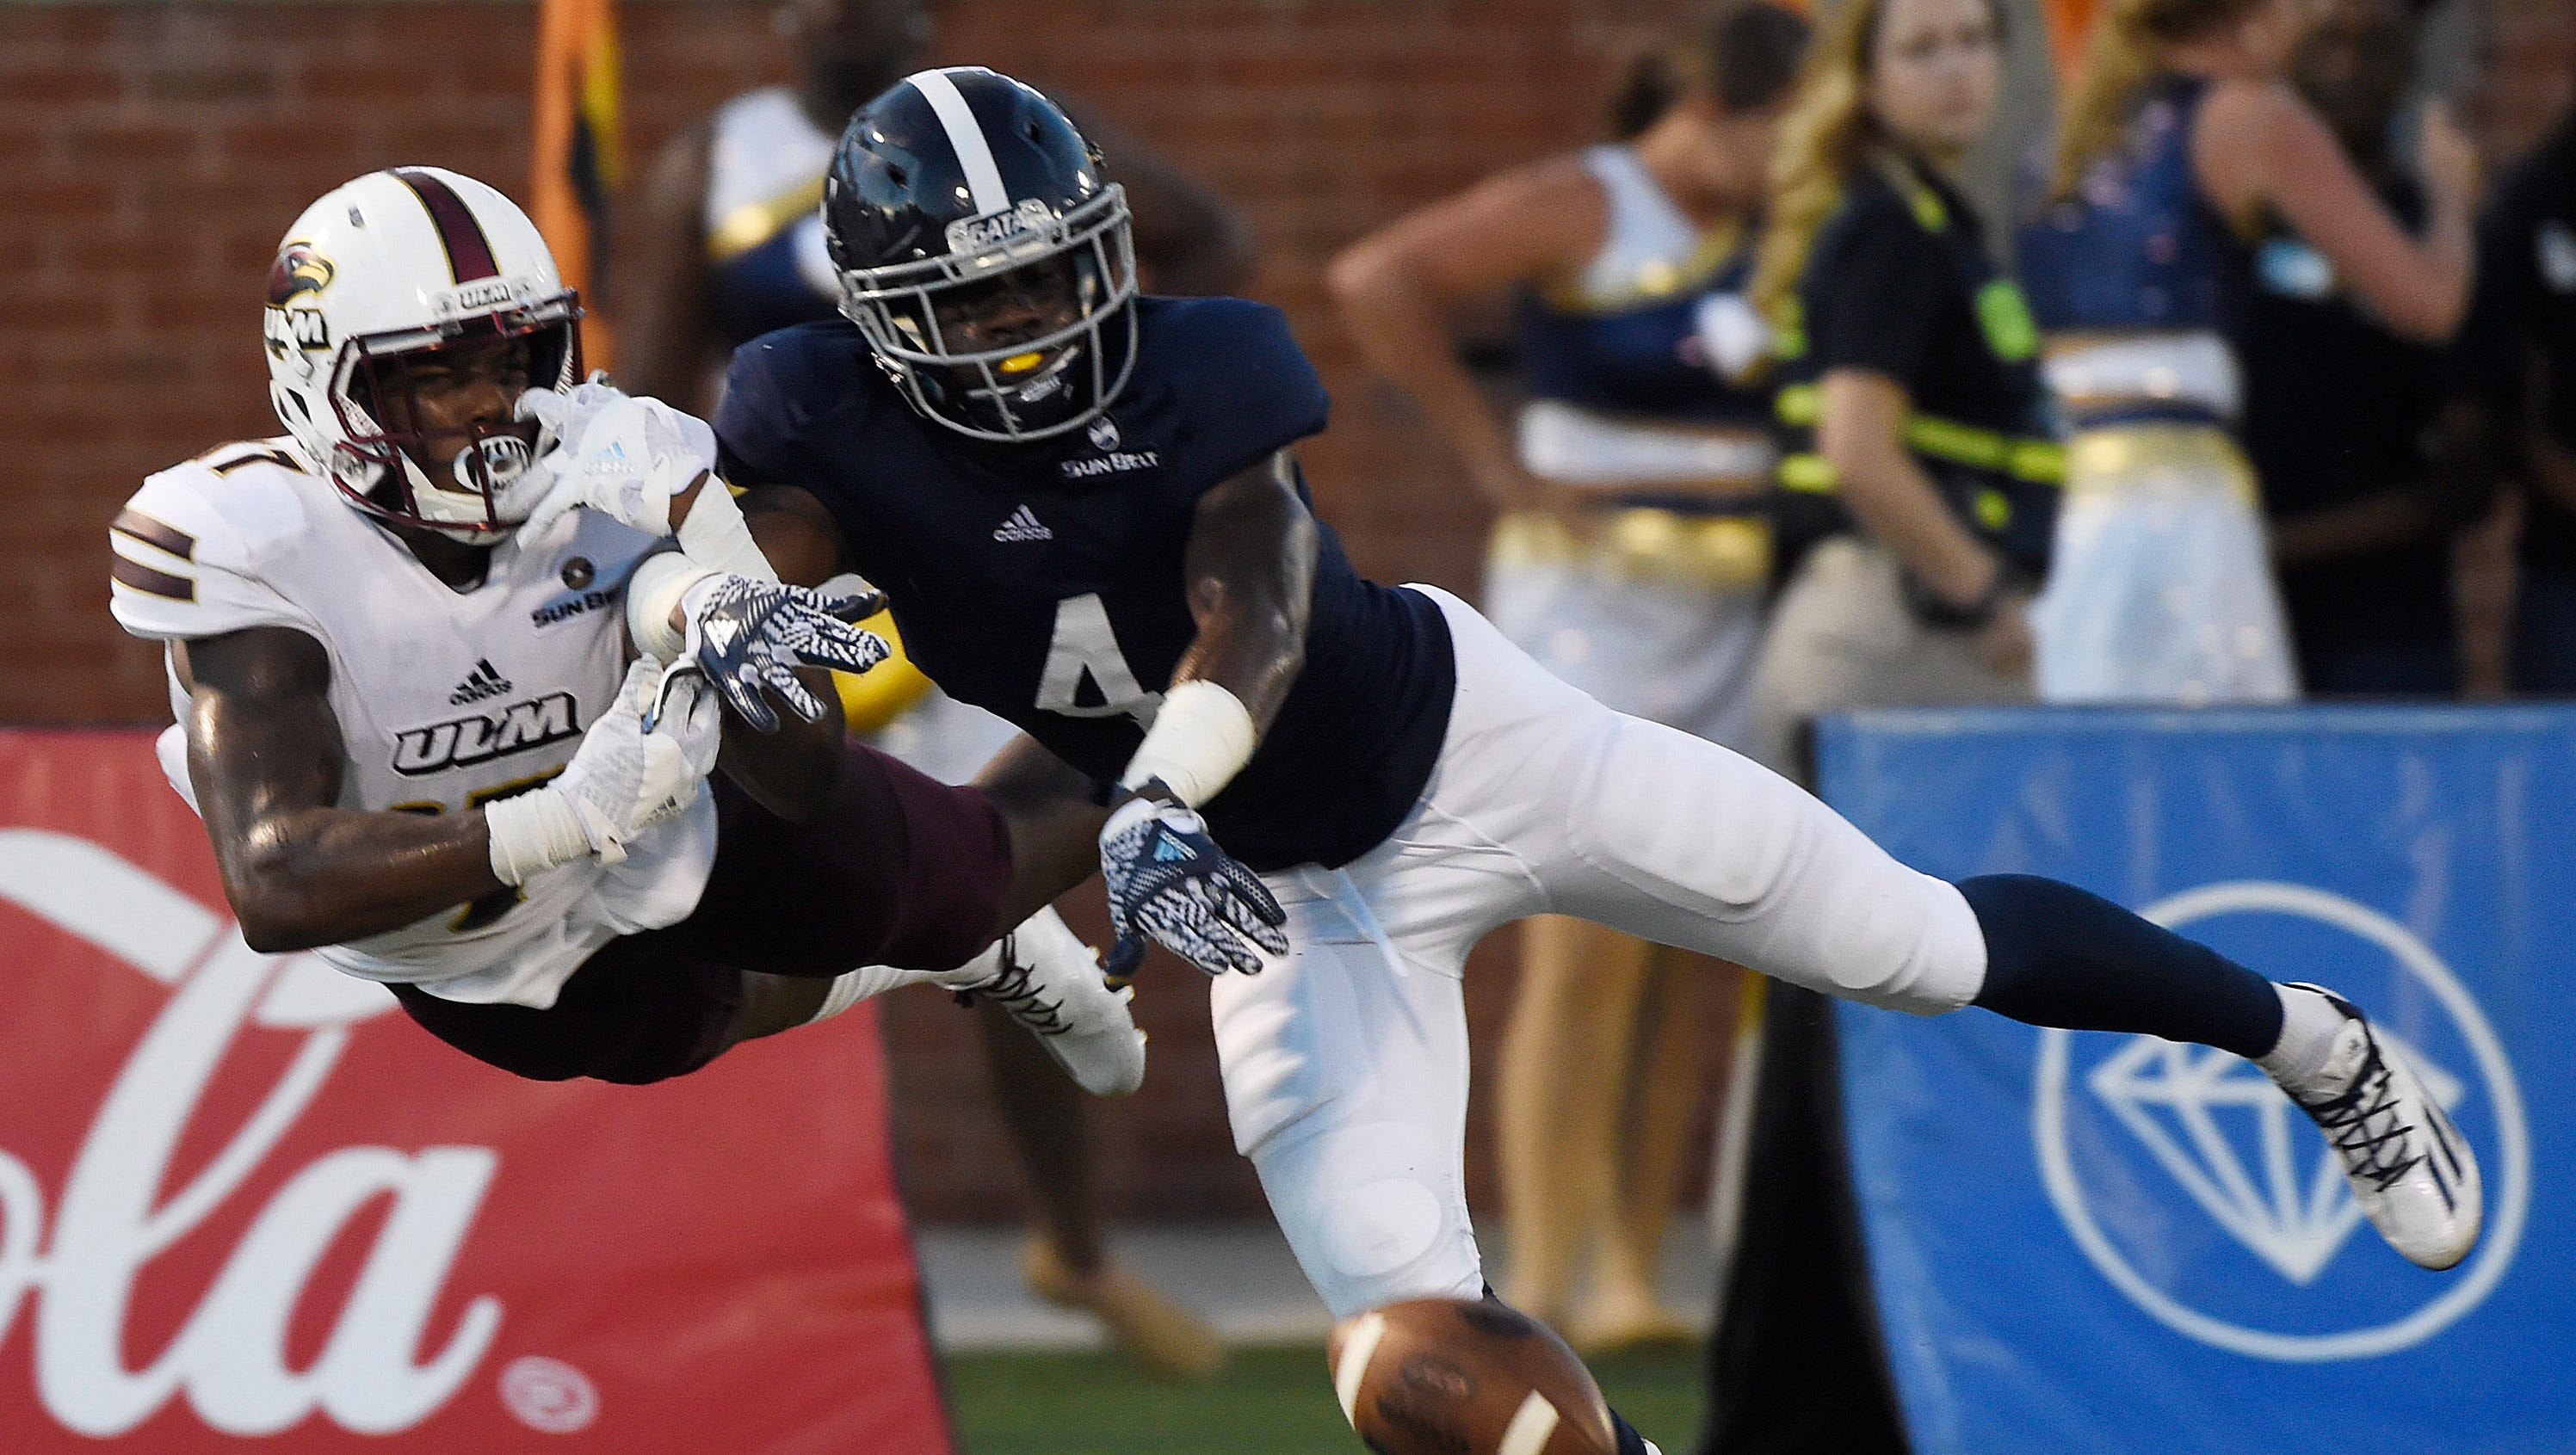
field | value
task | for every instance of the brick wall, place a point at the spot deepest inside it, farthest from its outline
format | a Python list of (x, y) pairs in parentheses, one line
[(150, 155)]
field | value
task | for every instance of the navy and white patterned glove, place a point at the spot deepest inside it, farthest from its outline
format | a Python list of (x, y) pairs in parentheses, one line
[(748, 635), (1169, 880)]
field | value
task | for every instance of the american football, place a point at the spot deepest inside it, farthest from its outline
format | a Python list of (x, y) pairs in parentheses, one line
[(1445, 1376)]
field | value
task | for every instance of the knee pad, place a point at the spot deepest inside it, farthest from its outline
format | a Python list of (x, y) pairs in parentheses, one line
[(1375, 1215)]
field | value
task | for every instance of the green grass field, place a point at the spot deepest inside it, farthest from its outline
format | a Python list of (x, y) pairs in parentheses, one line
[(1269, 1401)]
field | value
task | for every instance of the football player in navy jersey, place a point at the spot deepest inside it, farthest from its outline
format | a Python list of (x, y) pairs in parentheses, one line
[(1085, 510)]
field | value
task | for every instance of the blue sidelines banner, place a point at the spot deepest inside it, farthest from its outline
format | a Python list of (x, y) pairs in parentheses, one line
[(2113, 1243)]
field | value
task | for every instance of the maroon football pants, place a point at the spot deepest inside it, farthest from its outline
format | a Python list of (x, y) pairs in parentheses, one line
[(898, 870)]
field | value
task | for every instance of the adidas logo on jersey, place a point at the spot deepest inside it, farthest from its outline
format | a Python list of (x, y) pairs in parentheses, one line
[(1022, 526), (482, 684), (466, 741)]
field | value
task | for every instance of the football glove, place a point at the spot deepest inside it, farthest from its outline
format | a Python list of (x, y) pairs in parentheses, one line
[(611, 452), (749, 635), (622, 780), (1169, 880)]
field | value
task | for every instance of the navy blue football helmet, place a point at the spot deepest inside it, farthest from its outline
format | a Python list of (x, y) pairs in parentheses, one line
[(984, 254)]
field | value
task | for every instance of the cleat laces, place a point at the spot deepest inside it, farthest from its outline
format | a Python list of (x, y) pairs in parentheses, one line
[(1014, 988), (2374, 1154)]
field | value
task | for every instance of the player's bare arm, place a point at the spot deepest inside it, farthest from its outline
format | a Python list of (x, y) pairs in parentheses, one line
[(1050, 807), (793, 771), (1250, 573), (796, 533), (265, 755), (1054, 822), (1248, 576)]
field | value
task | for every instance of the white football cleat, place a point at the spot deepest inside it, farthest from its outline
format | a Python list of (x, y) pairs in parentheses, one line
[(2412, 1172), (1050, 982)]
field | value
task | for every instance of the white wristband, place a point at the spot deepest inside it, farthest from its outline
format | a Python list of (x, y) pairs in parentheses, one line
[(531, 833), (715, 535), (652, 594), (1201, 737)]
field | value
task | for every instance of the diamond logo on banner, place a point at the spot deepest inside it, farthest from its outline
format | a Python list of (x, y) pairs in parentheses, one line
[(2231, 1142), (2231, 1139)]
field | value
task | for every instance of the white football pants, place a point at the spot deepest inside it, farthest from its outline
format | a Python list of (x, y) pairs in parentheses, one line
[(1346, 1066)]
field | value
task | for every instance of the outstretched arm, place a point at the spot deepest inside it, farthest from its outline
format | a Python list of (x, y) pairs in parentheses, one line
[(1528, 227), (265, 756), (2260, 146), (793, 770), (1250, 574), (1249, 571)]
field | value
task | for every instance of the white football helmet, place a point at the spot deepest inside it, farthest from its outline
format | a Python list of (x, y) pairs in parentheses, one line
[(374, 278)]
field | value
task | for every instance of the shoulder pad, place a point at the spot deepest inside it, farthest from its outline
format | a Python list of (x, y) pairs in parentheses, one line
[(187, 547)]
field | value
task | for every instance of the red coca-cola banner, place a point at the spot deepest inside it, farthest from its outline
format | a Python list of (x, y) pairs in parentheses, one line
[(244, 1201)]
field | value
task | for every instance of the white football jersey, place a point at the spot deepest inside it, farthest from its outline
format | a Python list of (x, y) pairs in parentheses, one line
[(446, 699)]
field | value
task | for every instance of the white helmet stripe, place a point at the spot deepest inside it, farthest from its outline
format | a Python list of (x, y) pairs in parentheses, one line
[(966, 137)]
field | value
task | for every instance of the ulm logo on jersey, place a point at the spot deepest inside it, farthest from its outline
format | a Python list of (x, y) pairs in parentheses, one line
[(466, 741)]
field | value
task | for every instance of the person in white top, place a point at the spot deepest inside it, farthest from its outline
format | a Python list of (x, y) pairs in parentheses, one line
[(455, 733), (1631, 558)]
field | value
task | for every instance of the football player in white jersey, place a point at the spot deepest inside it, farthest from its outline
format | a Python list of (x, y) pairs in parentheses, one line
[(451, 733)]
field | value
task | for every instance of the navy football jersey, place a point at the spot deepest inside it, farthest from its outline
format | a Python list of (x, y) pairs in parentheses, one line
[(1043, 581)]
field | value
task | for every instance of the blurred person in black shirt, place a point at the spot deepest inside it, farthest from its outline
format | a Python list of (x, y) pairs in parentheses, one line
[(1910, 381), (2521, 346), (2340, 412)]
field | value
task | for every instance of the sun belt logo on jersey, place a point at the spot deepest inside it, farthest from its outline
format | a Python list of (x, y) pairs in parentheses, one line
[(465, 741), (1105, 437), (2148, 1148)]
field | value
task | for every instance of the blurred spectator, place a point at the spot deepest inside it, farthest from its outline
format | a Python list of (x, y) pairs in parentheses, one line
[(2524, 339), (1630, 559), (2340, 412), (1911, 392), (1910, 376), (2179, 140), (725, 244)]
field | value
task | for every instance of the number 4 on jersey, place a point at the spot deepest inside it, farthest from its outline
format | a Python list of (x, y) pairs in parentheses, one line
[(1085, 647)]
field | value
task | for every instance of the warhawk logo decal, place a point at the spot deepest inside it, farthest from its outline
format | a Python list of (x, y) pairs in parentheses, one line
[(466, 741), (298, 269)]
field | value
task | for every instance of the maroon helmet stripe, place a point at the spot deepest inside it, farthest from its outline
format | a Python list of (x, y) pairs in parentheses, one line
[(469, 253)]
